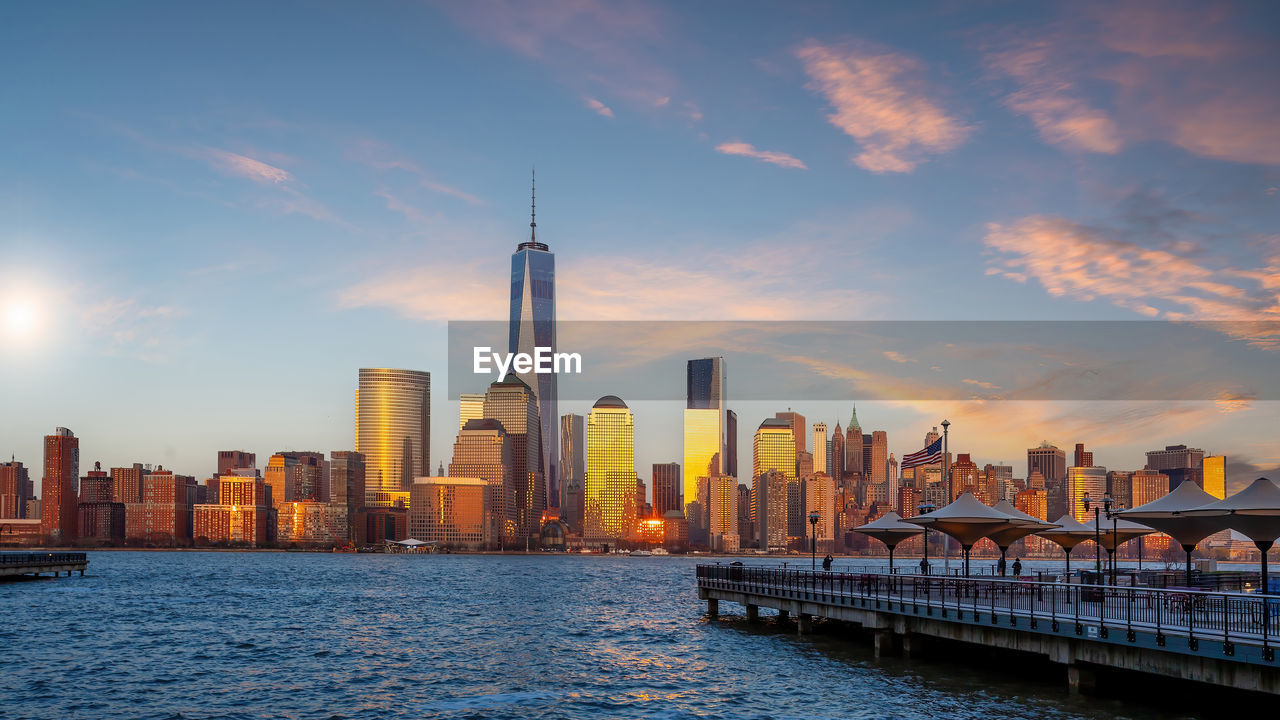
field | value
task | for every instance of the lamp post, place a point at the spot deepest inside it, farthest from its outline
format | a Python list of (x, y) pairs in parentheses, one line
[(921, 509), (946, 483), (813, 538), (1115, 537), (1098, 507)]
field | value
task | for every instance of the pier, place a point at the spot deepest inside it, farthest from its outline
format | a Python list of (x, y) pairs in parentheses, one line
[(37, 564), (1221, 638)]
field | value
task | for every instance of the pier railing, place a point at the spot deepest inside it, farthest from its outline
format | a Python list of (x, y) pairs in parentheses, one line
[(1225, 617), (28, 558)]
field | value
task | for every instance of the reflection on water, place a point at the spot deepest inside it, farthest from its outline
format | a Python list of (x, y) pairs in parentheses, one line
[(255, 635)]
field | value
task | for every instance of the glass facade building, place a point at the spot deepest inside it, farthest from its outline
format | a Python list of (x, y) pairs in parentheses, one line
[(611, 470), (393, 427), (710, 445), (451, 511), (533, 325), (1215, 475), (773, 469), (1081, 480), (572, 470)]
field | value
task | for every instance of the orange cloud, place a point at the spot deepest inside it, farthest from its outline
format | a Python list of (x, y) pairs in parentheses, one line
[(748, 150), (878, 102), (1049, 98)]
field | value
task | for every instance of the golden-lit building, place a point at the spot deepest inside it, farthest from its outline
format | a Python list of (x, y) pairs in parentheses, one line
[(722, 512), (1215, 475), (1147, 485), (452, 511), (240, 514), (470, 407), (483, 450), (304, 522), (773, 450), (610, 496), (651, 531), (820, 497), (1081, 481), (703, 440), (393, 427)]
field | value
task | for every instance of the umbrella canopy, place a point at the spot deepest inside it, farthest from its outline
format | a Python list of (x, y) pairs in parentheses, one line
[(890, 529), (1170, 515), (1123, 533), (1068, 533), (967, 520), (1254, 511), (1025, 525)]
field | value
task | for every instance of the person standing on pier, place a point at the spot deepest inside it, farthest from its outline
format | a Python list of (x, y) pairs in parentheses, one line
[(1017, 567), (826, 563)]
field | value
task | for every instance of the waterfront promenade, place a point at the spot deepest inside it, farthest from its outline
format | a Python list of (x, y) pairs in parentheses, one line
[(37, 564), (1225, 639)]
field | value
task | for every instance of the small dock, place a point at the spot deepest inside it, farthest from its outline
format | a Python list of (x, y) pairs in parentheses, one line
[(1219, 638), (36, 564)]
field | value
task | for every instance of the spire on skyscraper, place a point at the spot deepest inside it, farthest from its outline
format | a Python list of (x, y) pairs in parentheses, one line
[(533, 205), (853, 418)]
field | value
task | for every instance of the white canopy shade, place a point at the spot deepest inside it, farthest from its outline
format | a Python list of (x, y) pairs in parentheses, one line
[(967, 520), (1254, 511), (1068, 533), (1026, 525), (890, 529), (1124, 532), (1170, 515)]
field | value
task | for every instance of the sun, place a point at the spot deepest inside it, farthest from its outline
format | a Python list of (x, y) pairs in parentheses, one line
[(20, 319)]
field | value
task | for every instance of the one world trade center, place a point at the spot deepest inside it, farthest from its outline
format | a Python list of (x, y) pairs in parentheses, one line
[(533, 325)]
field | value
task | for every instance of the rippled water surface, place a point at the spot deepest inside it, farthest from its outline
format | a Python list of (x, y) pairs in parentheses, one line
[(300, 635)]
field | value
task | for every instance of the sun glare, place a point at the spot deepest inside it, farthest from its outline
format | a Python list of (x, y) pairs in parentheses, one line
[(20, 319)]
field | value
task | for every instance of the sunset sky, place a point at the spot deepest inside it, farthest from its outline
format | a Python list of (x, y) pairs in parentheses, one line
[(211, 215)]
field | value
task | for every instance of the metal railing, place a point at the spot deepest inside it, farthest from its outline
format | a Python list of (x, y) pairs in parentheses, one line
[(1229, 618), (41, 558)]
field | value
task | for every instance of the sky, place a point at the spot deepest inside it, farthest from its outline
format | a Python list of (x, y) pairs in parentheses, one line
[(212, 215)]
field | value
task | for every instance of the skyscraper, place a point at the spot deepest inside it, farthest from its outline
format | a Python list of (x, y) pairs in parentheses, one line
[(835, 462), (611, 470), (820, 448), (722, 513), (13, 481), (572, 470), (1081, 480), (1083, 458), (820, 497), (1179, 462), (393, 428), (229, 460), (773, 469), (512, 402), (709, 443), (484, 450), (60, 487), (879, 456), (1050, 461), (346, 491), (533, 325), (666, 488), (798, 429), (1147, 485), (126, 483), (853, 446), (470, 407), (1215, 475)]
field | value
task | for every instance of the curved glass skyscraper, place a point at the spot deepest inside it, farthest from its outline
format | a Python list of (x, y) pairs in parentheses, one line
[(393, 428)]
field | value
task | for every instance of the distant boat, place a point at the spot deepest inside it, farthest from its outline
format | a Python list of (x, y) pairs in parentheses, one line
[(640, 553), (660, 551)]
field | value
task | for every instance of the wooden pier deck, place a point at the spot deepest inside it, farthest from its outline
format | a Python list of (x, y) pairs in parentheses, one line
[(35, 564)]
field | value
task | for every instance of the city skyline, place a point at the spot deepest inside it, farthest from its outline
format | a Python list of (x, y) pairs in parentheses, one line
[(202, 233)]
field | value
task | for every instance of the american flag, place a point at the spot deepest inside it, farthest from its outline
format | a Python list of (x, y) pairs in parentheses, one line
[(928, 456)]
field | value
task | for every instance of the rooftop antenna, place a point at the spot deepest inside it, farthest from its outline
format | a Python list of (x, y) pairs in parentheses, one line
[(533, 205)]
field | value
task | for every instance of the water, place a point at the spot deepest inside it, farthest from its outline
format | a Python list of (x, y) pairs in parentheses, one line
[(294, 635)]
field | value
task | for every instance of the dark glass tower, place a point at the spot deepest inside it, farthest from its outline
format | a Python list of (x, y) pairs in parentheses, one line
[(533, 325)]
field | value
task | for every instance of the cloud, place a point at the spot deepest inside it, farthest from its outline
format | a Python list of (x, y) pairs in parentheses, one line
[(598, 107), (381, 157), (1050, 99), (897, 357), (878, 101), (780, 159), (1086, 263), (1195, 75), (981, 383), (247, 167), (127, 327)]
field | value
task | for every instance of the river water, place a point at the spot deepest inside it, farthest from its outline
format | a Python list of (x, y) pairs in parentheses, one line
[(311, 635)]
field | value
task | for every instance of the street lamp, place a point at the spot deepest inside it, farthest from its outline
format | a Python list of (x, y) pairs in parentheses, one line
[(921, 509), (1098, 507), (814, 517)]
